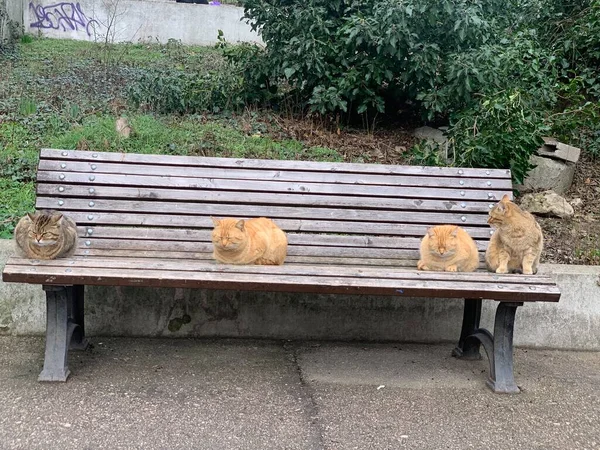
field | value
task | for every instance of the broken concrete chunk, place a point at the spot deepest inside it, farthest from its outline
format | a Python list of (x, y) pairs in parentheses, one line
[(561, 151), (547, 203), (549, 174), (550, 142)]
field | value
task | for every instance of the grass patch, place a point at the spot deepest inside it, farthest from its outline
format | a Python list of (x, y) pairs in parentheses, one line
[(15, 200), (193, 136), (68, 94)]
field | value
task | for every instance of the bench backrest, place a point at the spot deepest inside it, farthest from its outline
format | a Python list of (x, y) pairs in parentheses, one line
[(161, 206)]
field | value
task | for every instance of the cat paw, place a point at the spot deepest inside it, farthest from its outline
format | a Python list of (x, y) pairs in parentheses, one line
[(421, 266), (451, 269), (501, 270), (527, 272)]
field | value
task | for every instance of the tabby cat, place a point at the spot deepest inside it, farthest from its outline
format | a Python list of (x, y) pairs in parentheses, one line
[(46, 235), (517, 243), (253, 241), (448, 248)]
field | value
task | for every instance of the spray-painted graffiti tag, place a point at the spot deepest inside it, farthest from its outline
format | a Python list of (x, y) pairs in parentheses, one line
[(61, 16)]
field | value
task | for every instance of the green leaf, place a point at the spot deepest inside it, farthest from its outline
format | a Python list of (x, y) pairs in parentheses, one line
[(288, 72)]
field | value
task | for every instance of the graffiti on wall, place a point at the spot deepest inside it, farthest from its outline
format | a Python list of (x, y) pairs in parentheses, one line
[(65, 16)]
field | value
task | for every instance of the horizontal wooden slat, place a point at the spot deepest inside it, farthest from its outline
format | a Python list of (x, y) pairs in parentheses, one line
[(199, 256), (272, 175), (420, 193), (287, 269), (275, 282), (67, 192), (159, 234), (248, 211), (191, 161), (293, 250), (289, 225)]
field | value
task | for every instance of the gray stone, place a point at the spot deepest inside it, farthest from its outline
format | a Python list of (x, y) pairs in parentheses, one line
[(549, 174), (547, 203), (431, 134), (435, 138)]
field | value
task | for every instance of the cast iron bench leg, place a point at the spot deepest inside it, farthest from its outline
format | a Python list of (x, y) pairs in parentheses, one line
[(469, 348), (64, 330), (76, 316), (498, 347)]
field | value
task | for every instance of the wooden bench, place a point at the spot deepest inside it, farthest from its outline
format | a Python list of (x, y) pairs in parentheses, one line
[(144, 220)]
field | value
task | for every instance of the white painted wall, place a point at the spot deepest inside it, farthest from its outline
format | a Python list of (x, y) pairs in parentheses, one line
[(136, 20)]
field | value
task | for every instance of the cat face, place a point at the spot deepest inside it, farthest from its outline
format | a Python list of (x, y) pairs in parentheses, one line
[(229, 234), (500, 212), (44, 228), (443, 242)]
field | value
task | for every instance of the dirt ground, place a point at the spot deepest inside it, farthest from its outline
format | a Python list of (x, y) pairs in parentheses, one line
[(576, 240)]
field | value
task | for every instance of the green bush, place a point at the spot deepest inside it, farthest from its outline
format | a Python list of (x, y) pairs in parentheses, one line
[(183, 92), (502, 73), (354, 55), (500, 131)]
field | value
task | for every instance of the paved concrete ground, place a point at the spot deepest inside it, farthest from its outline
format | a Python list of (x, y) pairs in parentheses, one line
[(200, 394)]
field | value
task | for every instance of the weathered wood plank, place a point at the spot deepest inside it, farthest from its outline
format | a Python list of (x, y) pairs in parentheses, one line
[(459, 193), (248, 211), (193, 161), (274, 175), (260, 198), (268, 282), (166, 234), (95, 218), (288, 269), (206, 247), (305, 260)]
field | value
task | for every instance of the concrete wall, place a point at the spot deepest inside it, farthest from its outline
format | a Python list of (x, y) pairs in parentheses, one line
[(14, 8), (573, 323), (136, 20)]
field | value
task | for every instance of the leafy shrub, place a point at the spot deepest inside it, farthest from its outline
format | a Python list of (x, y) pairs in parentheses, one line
[(500, 131), (353, 55), (179, 91)]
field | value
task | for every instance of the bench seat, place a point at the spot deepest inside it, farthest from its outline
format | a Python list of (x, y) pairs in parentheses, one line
[(307, 277), (145, 220)]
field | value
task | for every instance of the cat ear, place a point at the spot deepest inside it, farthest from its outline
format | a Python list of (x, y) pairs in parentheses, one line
[(31, 216), (505, 198), (454, 232), (240, 225), (430, 232), (501, 207), (215, 221), (56, 218)]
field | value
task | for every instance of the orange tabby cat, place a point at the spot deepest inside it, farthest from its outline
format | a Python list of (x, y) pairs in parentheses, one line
[(448, 248), (517, 243), (253, 241)]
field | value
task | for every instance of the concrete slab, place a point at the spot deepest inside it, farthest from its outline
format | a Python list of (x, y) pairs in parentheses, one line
[(152, 394), (242, 394), (418, 397)]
